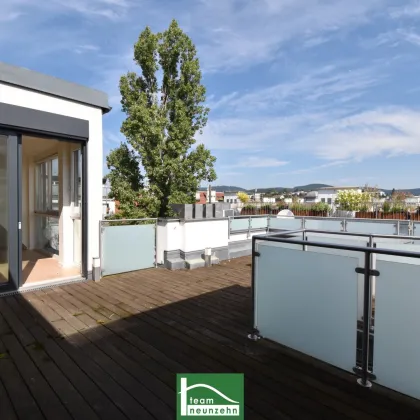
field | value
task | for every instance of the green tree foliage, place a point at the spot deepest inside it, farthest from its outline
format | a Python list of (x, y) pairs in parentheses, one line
[(126, 182), (165, 110)]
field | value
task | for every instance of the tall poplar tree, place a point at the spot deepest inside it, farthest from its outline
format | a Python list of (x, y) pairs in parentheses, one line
[(165, 108)]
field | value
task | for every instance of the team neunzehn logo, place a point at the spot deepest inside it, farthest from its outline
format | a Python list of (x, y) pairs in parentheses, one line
[(210, 396)]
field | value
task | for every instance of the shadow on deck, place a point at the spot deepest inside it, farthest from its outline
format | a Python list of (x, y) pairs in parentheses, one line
[(111, 351)]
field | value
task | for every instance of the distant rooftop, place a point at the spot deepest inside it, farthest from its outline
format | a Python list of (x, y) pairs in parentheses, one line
[(29, 79), (338, 188)]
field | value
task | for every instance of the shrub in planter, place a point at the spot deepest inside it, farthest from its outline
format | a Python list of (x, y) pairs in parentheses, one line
[(366, 215), (248, 210), (319, 209)]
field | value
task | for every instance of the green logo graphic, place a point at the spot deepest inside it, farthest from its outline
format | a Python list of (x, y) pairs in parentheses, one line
[(210, 396)]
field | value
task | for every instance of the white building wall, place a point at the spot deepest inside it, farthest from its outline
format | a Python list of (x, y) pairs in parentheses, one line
[(47, 103), (205, 234), (169, 237), (191, 236)]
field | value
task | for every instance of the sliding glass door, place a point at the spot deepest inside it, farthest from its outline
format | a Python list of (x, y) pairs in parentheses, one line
[(10, 210)]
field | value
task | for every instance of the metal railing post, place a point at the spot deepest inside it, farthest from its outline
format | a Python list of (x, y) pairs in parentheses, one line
[(268, 224), (398, 227), (303, 223), (229, 226), (304, 247), (254, 335), (367, 301), (249, 226), (156, 244), (100, 248)]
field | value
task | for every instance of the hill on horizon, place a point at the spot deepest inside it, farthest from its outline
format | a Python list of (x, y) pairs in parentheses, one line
[(230, 188), (308, 187)]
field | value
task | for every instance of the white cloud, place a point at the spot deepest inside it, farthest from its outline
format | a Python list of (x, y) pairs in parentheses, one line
[(259, 162), (255, 133), (386, 131), (315, 42), (9, 16), (394, 38), (316, 168), (80, 49), (111, 9), (411, 10), (233, 35), (410, 36), (341, 82)]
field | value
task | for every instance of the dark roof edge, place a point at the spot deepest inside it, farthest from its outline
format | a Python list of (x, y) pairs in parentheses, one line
[(33, 80)]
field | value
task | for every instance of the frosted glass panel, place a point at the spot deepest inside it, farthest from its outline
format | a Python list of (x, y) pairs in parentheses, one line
[(398, 245), (127, 248), (331, 224), (308, 301), (259, 222), (239, 224), (380, 228), (284, 245), (285, 223), (397, 327), (417, 229), (338, 240)]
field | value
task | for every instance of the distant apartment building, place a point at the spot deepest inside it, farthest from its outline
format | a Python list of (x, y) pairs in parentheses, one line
[(413, 201), (326, 195), (231, 197), (259, 198), (203, 197)]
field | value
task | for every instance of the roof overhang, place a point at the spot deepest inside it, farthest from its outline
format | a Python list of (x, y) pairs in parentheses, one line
[(32, 80)]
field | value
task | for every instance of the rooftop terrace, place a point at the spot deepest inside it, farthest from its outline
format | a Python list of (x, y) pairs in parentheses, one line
[(110, 350)]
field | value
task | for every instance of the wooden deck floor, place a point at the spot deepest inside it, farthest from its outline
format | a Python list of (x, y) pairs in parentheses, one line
[(111, 350)]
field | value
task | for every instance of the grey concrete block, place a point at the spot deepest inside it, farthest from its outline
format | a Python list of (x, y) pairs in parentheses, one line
[(175, 264), (173, 260), (208, 211), (198, 211), (183, 211), (188, 212), (218, 210), (195, 263), (179, 210), (225, 206)]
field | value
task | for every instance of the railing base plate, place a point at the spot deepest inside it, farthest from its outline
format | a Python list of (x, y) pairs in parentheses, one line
[(254, 337), (368, 384)]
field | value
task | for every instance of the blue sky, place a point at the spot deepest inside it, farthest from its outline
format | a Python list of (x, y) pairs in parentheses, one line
[(301, 91)]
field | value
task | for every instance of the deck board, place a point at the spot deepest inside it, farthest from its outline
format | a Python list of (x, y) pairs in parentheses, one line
[(110, 350)]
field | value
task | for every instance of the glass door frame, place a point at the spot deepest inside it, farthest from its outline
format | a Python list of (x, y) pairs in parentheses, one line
[(14, 198), (14, 184)]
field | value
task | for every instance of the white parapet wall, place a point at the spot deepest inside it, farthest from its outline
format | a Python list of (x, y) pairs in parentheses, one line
[(199, 235), (180, 241), (170, 237)]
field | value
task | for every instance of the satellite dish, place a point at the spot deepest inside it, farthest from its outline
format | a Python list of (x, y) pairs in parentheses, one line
[(285, 213)]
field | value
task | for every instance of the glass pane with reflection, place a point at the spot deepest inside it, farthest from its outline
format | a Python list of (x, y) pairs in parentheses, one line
[(4, 212)]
